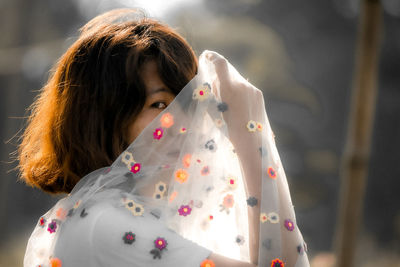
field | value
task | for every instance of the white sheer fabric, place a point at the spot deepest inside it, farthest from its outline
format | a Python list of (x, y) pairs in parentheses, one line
[(190, 184)]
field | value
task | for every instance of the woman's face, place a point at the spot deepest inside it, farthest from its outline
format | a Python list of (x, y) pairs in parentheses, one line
[(157, 99)]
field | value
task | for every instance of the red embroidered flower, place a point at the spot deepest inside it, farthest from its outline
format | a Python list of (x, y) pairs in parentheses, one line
[(277, 263), (182, 130), (184, 210), (160, 243), (207, 263), (158, 133), (51, 227), (42, 221), (271, 173), (136, 168), (289, 225)]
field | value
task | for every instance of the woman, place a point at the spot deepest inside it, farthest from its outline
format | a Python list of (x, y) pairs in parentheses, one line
[(166, 160)]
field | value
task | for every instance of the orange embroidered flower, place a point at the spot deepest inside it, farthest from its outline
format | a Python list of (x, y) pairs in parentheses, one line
[(167, 120), (259, 126), (228, 201), (61, 213), (271, 173), (173, 196), (186, 160), (55, 262), (277, 263), (207, 263), (181, 175)]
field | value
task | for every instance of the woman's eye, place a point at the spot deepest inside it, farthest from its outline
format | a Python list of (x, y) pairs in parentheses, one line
[(159, 105)]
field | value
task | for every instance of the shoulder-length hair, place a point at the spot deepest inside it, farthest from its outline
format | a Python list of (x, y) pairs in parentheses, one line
[(78, 122)]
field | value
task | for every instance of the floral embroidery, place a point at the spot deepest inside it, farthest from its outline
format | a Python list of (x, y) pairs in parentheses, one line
[(186, 160), (77, 204), (184, 210), (173, 196), (160, 244), (51, 227), (252, 201), (129, 238), (127, 158), (227, 203), (259, 127), (182, 130), (271, 173), (42, 222), (55, 262), (289, 225), (267, 243), (263, 217), (302, 248), (136, 168), (135, 208), (211, 217), (207, 263), (197, 203), (219, 122), (202, 92), (239, 240), (61, 213), (160, 189), (273, 217), (83, 213), (205, 170), (277, 263), (167, 120), (232, 182), (158, 133), (222, 107), (211, 145), (181, 175), (251, 126), (263, 151)]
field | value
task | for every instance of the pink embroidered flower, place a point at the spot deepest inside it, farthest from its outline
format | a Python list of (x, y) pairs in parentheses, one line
[(271, 173), (158, 133), (160, 243), (289, 225), (228, 201), (184, 210), (51, 227), (167, 120), (61, 213), (136, 168)]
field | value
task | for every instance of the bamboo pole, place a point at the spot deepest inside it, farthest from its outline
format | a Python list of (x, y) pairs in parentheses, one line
[(354, 169)]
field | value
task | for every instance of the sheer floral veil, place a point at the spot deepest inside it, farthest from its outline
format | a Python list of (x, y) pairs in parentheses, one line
[(202, 167)]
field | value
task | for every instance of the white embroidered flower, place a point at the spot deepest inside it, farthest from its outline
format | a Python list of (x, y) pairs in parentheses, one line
[(251, 126), (273, 217), (202, 92), (127, 158)]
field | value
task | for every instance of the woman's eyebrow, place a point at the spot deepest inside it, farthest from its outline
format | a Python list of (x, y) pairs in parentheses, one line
[(161, 89)]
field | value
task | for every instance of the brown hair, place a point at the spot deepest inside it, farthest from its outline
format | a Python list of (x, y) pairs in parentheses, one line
[(79, 120)]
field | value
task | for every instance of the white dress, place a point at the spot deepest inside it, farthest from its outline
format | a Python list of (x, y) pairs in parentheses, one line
[(185, 188)]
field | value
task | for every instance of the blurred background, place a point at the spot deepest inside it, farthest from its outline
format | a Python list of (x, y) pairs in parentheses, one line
[(301, 54)]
